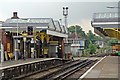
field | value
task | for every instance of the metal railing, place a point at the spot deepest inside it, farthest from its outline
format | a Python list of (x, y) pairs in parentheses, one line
[(106, 17)]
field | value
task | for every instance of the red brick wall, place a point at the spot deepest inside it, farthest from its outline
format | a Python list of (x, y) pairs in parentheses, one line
[(5, 39)]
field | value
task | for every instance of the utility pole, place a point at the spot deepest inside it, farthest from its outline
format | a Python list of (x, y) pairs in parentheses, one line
[(76, 32)]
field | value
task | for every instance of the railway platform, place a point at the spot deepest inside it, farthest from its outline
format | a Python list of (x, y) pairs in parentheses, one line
[(15, 69), (105, 69), (12, 63)]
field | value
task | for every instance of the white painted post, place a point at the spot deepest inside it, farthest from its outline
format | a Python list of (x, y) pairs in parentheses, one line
[(24, 39), (2, 53), (15, 48)]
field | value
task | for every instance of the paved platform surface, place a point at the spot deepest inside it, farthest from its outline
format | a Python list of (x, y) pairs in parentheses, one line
[(107, 69), (20, 62), (119, 67), (17, 62)]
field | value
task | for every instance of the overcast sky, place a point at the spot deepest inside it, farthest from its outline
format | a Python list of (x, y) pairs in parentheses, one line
[(79, 12)]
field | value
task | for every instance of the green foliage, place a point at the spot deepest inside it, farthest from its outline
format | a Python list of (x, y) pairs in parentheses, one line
[(90, 38), (85, 54), (92, 48), (109, 42), (71, 29), (77, 29), (90, 42)]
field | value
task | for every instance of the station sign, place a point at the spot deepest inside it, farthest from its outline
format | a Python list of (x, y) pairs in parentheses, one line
[(8, 47), (53, 42)]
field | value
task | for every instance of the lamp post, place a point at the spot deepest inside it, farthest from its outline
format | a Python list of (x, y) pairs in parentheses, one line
[(17, 27), (76, 32), (16, 42), (65, 14)]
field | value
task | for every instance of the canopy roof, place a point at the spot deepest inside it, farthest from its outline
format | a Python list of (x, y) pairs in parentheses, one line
[(37, 23)]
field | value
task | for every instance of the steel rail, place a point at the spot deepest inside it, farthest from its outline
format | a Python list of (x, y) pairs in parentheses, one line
[(70, 71)]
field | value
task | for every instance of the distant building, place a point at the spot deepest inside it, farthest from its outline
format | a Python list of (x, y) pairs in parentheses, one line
[(77, 46), (100, 43)]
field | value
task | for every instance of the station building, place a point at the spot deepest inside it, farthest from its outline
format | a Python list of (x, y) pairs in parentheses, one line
[(77, 44), (32, 38)]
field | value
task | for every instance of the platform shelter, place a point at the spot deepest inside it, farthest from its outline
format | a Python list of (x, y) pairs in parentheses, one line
[(33, 37)]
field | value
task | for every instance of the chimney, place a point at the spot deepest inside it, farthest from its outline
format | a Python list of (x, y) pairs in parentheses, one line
[(15, 16)]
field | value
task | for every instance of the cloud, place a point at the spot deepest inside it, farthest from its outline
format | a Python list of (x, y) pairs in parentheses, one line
[(86, 25), (1, 17)]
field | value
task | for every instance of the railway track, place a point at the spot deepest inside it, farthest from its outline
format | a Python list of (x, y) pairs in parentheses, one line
[(43, 72), (101, 55), (60, 72), (76, 75), (70, 71)]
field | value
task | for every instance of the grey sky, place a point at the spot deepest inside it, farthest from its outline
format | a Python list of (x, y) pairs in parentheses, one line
[(79, 12)]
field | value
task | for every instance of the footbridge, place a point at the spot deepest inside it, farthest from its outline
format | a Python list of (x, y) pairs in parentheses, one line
[(107, 24)]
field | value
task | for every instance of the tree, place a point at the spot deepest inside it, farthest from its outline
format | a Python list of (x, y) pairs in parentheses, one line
[(71, 29), (91, 38), (90, 42), (77, 29), (109, 42), (92, 48)]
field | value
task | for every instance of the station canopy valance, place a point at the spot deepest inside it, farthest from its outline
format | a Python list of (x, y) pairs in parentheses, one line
[(35, 22)]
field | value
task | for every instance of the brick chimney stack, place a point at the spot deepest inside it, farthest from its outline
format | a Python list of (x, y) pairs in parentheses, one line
[(15, 16)]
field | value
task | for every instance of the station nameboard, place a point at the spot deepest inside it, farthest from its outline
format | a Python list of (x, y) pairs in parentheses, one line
[(54, 42)]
